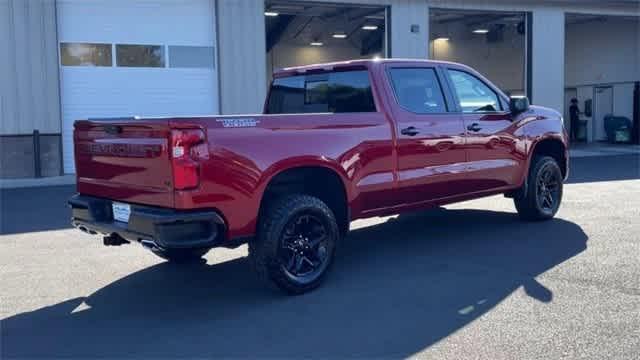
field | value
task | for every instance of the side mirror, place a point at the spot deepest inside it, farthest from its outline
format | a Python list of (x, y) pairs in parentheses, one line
[(518, 104)]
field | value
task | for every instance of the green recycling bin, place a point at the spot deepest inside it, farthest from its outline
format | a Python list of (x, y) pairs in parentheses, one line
[(618, 129)]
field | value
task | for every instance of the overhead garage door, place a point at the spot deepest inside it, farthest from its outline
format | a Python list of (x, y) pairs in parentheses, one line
[(135, 57)]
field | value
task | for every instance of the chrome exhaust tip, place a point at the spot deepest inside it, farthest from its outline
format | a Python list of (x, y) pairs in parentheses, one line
[(149, 244)]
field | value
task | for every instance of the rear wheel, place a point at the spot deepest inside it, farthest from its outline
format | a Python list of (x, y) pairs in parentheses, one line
[(181, 255), (296, 242), (543, 195)]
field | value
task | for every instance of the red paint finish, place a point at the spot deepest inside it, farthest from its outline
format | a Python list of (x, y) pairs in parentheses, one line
[(495, 155), (383, 171), (124, 160)]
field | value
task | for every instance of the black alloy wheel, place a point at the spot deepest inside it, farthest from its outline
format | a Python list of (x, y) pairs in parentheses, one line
[(296, 242), (542, 194), (304, 247), (548, 188)]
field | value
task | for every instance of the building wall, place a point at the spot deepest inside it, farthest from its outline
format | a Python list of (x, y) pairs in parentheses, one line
[(547, 64), (502, 62), (602, 7), (623, 100), (602, 52), (29, 96), (29, 89), (548, 36), (242, 56), (283, 55), (404, 42)]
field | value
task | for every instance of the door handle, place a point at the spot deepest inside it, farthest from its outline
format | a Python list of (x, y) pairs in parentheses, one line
[(474, 127), (410, 131)]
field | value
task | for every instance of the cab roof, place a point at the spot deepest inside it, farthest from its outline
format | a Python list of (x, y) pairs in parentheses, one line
[(368, 63)]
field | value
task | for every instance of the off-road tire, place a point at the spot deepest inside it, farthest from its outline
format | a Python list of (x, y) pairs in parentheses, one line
[(530, 206), (264, 250)]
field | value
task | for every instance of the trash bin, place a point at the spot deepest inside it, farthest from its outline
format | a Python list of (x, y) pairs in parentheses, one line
[(618, 129)]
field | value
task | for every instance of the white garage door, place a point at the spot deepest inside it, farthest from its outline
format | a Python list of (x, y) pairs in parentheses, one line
[(135, 57)]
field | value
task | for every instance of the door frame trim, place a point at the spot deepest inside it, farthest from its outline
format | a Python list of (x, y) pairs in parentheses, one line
[(595, 109)]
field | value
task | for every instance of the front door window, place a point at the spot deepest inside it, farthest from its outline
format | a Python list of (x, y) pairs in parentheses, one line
[(473, 95)]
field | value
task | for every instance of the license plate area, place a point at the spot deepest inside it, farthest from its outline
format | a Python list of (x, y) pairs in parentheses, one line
[(121, 212)]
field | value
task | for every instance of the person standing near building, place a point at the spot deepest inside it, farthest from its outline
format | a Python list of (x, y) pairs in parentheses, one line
[(574, 116)]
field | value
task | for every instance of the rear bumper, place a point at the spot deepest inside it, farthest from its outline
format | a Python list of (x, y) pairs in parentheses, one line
[(165, 227)]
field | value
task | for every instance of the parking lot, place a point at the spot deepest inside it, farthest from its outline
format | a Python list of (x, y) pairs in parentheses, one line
[(464, 281)]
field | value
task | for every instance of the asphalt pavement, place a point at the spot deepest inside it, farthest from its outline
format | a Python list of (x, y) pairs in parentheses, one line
[(465, 281)]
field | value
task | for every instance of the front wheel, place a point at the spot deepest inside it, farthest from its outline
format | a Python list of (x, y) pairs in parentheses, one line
[(544, 191), (296, 243)]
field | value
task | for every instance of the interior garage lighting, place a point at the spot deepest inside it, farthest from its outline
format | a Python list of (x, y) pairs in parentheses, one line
[(316, 43), (271, 13), (480, 31), (340, 36), (370, 27), (442, 38)]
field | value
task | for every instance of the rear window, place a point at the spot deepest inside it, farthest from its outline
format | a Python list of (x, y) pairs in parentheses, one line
[(336, 92)]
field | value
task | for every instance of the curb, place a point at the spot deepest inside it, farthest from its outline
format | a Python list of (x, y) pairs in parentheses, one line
[(38, 182)]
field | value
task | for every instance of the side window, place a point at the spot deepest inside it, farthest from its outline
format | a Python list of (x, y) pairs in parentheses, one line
[(473, 94), (418, 90), (337, 92)]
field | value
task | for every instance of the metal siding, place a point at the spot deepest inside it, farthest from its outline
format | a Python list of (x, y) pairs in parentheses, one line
[(6, 68), (51, 69), (35, 61), (242, 56), (404, 43), (603, 7), (548, 58), (29, 95)]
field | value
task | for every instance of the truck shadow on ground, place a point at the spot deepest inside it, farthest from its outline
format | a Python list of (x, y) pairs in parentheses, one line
[(396, 289)]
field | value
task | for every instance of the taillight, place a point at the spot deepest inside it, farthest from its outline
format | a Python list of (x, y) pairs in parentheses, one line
[(188, 147)]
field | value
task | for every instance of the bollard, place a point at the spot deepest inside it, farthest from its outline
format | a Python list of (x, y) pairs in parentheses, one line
[(36, 153)]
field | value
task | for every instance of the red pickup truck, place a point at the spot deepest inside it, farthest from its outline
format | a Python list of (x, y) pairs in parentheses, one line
[(336, 142)]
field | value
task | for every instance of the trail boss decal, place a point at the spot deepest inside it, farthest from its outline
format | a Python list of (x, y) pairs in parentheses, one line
[(238, 122)]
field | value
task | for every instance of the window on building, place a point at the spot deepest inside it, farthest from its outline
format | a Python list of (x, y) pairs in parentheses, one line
[(336, 92), (140, 55), (418, 90), (473, 94), (191, 57), (85, 54)]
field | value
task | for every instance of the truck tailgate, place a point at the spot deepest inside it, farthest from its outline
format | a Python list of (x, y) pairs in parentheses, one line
[(126, 160)]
